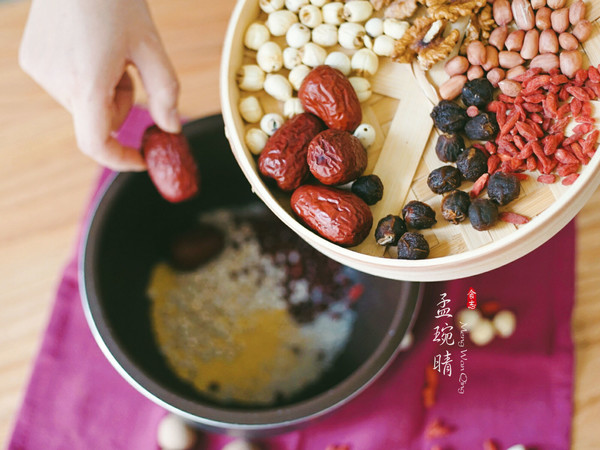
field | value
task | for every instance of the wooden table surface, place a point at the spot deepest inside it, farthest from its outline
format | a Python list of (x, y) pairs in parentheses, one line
[(45, 183)]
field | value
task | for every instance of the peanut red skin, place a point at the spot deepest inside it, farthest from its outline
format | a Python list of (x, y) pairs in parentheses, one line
[(336, 157), (284, 155), (328, 94), (171, 165), (339, 216)]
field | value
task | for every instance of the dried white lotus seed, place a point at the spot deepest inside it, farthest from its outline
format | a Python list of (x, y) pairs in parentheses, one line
[(339, 61), (270, 6), (374, 27), (365, 134), (313, 55), (174, 434), (384, 45), (395, 28), (278, 87), (270, 123), (298, 35), (482, 332), (291, 58), (250, 77), (310, 15), (269, 57), (256, 35), (351, 35), (279, 22), (467, 318), (250, 109), (505, 323), (240, 444), (256, 139), (357, 10), (295, 5), (332, 13), (325, 35), (362, 87), (318, 3), (407, 341), (292, 107), (365, 62), (297, 75)]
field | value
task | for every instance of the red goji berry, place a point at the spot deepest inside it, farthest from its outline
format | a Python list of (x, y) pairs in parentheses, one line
[(563, 95), (519, 142), (526, 131), (506, 99), (513, 118), (490, 147), (564, 170), (532, 107), (559, 125), (578, 93), (479, 185), (594, 74), (576, 106), (526, 152), (584, 119), (587, 109), (536, 98), (531, 163), (570, 140), (554, 89), (537, 118), (565, 157), (522, 176), (530, 73), (583, 128), (577, 150), (492, 163), (581, 76), (546, 179), (569, 180), (559, 79), (536, 82), (514, 218)]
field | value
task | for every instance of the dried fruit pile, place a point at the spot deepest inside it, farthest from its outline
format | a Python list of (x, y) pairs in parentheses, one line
[(533, 125)]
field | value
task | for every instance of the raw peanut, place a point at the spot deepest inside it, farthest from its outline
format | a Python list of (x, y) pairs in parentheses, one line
[(452, 87), (508, 60), (284, 155), (491, 59), (548, 42), (337, 215), (570, 63), (514, 41), (576, 12), (542, 19), (560, 20), (568, 41), (476, 53), (495, 76), (502, 12), (531, 44), (457, 66), (328, 94), (475, 72), (583, 30), (545, 62), (515, 72), (557, 4), (510, 87), (336, 157), (498, 37), (537, 4), (171, 166), (523, 14)]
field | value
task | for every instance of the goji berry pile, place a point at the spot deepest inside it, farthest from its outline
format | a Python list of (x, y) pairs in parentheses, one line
[(533, 125)]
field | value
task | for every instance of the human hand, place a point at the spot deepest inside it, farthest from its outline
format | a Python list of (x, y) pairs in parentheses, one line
[(79, 52)]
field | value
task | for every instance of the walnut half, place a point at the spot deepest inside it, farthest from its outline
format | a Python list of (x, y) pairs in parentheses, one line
[(425, 41), (452, 10), (401, 9)]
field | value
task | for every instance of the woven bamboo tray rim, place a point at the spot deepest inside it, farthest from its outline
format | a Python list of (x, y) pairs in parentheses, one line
[(503, 244)]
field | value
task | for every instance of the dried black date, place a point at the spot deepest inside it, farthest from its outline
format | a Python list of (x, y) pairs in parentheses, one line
[(482, 127), (369, 188), (472, 164), (418, 215), (413, 246), (503, 188), (478, 93), (444, 179), (449, 147), (449, 117), (455, 206), (389, 230), (483, 214)]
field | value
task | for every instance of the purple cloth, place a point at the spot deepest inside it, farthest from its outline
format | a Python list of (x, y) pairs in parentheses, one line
[(519, 390)]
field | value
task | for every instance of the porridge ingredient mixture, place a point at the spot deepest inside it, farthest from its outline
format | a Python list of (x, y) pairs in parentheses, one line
[(260, 321)]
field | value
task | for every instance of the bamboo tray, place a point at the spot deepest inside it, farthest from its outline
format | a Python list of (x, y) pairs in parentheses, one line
[(402, 156)]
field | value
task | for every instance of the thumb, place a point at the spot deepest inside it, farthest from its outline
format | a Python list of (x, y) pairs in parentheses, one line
[(160, 82)]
